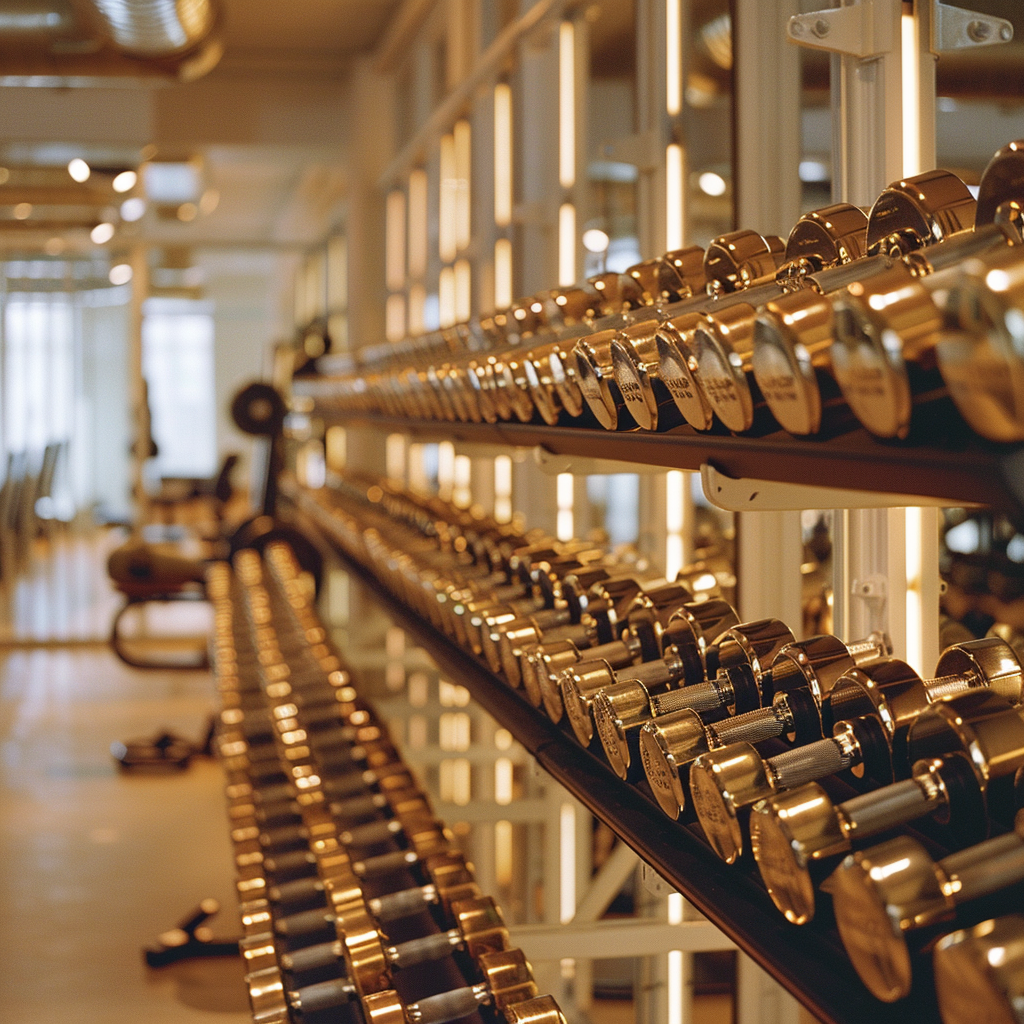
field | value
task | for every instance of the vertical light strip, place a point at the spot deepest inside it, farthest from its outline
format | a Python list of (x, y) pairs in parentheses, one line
[(463, 291), (336, 448), (463, 168), (394, 317), (674, 197), (394, 260), (674, 522), (502, 155), (418, 237), (502, 273), (446, 297), (445, 469), (915, 610), (566, 244), (673, 58), (566, 863), (446, 243), (394, 458), (417, 309), (461, 478), (564, 488), (503, 853), (911, 97), (675, 981), (503, 488), (567, 104)]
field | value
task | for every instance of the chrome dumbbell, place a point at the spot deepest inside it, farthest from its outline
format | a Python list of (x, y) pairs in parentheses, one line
[(873, 707), (894, 896), (798, 682), (796, 836)]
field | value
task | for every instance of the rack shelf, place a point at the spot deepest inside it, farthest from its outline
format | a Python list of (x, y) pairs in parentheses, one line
[(965, 470), (809, 961)]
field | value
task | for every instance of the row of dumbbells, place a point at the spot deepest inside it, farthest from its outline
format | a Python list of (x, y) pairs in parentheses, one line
[(855, 317), (355, 902), (699, 703)]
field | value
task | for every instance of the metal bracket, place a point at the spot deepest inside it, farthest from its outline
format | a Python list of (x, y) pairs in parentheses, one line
[(653, 882), (857, 32), (743, 495), (553, 464), (854, 30)]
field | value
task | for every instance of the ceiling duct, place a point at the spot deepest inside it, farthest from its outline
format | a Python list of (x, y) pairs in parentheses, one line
[(107, 42)]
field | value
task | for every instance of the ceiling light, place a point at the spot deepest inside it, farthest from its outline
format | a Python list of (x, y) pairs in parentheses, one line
[(5, 175), (23, 211), (595, 240), (813, 171), (712, 184), (79, 169), (125, 181), (120, 273), (133, 209), (54, 246), (187, 212), (102, 233), (208, 201)]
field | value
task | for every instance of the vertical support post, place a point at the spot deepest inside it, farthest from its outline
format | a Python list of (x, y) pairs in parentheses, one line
[(767, 183), (137, 385), (759, 998), (875, 141)]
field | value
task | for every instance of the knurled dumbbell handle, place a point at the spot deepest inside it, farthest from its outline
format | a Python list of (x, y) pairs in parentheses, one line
[(700, 698), (307, 958), (400, 904), (949, 686), (293, 860), (447, 1006), (423, 950), (986, 867), (296, 889), (794, 767), (752, 727), (650, 673), (895, 804), (322, 996)]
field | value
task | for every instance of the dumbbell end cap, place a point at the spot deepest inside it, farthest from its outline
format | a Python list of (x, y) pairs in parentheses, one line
[(667, 744), (979, 972), (721, 783), (787, 832), (541, 1010), (876, 893)]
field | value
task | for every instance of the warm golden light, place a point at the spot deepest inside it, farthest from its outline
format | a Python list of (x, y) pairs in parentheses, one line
[(564, 501), (502, 273), (418, 237), (911, 97), (674, 197), (417, 309), (394, 243), (566, 244), (463, 291), (446, 217), (463, 170), (503, 489), (394, 318), (446, 297), (502, 155), (567, 104), (673, 58), (914, 605)]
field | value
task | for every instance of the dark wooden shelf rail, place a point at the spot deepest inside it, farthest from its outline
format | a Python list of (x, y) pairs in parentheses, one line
[(809, 961), (956, 466)]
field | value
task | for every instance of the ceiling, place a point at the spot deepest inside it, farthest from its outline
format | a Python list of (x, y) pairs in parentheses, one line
[(264, 133)]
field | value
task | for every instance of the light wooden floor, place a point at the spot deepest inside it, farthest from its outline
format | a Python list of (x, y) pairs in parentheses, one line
[(94, 863)]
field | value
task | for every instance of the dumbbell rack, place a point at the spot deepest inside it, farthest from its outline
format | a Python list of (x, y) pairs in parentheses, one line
[(963, 470), (809, 961)]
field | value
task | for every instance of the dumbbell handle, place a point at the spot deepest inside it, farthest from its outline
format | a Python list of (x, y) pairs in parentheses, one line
[(447, 1006), (395, 905), (754, 726), (423, 950), (943, 687), (984, 868), (892, 805), (812, 761), (701, 698), (321, 996), (383, 863)]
